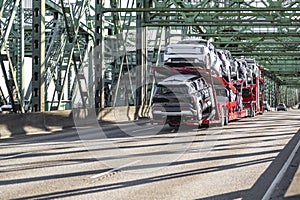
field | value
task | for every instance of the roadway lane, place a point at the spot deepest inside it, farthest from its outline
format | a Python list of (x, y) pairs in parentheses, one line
[(141, 161)]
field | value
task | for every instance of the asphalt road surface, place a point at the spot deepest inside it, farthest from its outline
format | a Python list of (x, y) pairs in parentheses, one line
[(252, 158)]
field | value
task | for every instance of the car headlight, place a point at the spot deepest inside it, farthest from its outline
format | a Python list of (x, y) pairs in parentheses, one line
[(168, 60), (199, 50), (168, 50)]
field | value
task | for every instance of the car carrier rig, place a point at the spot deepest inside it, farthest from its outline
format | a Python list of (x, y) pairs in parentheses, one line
[(228, 99)]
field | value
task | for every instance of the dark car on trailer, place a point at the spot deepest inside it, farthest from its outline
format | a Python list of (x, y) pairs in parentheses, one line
[(181, 99)]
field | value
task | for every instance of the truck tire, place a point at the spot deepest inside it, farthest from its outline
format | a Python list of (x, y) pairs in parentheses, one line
[(222, 117), (208, 62), (173, 125), (252, 110), (226, 117), (199, 112)]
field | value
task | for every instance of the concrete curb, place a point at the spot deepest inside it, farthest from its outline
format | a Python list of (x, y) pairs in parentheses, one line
[(15, 125)]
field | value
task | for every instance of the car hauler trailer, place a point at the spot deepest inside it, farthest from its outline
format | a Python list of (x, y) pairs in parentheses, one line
[(229, 99), (230, 108)]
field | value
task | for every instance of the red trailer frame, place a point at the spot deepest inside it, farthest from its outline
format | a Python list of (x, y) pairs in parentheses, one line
[(253, 96)]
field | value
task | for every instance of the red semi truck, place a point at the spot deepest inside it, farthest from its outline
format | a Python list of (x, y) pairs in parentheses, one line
[(253, 94)]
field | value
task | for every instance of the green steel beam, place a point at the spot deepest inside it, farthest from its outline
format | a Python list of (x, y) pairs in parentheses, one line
[(53, 7), (238, 23), (285, 67), (270, 34), (18, 53), (99, 54), (255, 42), (286, 74), (38, 55), (238, 11), (262, 54), (8, 13), (274, 49)]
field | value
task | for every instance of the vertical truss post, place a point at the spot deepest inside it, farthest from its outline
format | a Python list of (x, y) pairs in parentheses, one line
[(269, 91), (99, 54), (72, 17), (7, 82), (21, 51), (38, 55), (167, 36), (146, 4), (141, 59), (274, 96), (9, 11), (119, 61), (277, 93), (286, 96)]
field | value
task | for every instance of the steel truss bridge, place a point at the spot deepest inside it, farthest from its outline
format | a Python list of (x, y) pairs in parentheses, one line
[(70, 44)]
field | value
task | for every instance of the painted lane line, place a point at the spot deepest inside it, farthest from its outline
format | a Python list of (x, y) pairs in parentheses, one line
[(280, 174), (115, 169), (142, 129), (9, 144), (14, 156)]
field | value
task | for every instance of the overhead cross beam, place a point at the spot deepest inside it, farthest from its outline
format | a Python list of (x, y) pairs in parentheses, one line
[(257, 29)]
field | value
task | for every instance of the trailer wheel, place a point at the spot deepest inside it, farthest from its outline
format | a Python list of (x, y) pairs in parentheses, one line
[(252, 110), (175, 127), (222, 117), (226, 117), (199, 112), (208, 62), (172, 125)]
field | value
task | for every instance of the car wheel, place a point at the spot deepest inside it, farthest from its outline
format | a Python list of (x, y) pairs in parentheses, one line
[(221, 117), (174, 127), (199, 112), (252, 111), (208, 62)]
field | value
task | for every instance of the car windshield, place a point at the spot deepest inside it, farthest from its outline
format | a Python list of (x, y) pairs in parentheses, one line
[(185, 50), (202, 42), (246, 92), (172, 89), (281, 104)]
